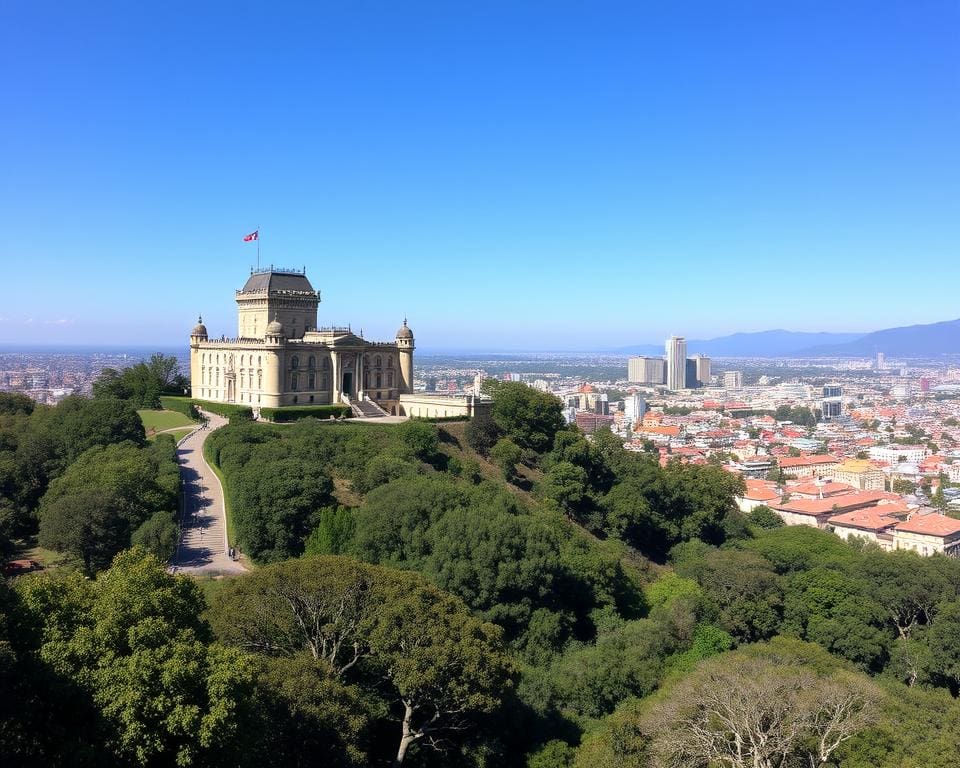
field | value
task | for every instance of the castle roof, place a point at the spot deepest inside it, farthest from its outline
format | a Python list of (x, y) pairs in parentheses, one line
[(270, 280)]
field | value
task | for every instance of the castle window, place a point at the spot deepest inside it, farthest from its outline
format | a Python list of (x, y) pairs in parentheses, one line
[(294, 381), (259, 364), (377, 361), (295, 398), (326, 363), (311, 398), (323, 382), (379, 379), (389, 378), (259, 379), (295, 362), (389, 362), (366, 378), (312, 362), (312, 381)]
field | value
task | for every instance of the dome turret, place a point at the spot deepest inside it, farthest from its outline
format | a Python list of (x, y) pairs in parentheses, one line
[(404, 332), (275, 328), (199, 329)]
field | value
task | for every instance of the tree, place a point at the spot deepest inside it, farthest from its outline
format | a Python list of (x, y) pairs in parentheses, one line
[(764, 517), (943, 641), (87, 525), (445, 666), (420, 438), (566, 484), (756, 709), (440, 665), (506, 455), (143, 383), (107, 493), (745, 590), (482, 433), (134, 642), (312, 720), (841, 613), (274, 502), (529, 417), (334, 531)]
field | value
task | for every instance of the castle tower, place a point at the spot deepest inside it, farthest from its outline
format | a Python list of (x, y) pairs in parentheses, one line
[(276, 294), (406, 346), (197, 336), (274, 341)]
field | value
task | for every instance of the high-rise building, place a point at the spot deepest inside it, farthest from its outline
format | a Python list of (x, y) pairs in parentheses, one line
[(646, 370), (698, 371), (881, 363), (691, 375), (733, 379), (676, 348), (634, 406), (832, 403)]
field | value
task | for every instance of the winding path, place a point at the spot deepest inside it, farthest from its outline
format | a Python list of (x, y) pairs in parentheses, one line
[(203, 526)]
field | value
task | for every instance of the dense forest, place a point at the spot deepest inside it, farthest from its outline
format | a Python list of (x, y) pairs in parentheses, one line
[(503, 592)]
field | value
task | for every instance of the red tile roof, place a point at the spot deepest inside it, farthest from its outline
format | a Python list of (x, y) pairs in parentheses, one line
[(931, 525), (807, 461), (871, 519), (836, 504)]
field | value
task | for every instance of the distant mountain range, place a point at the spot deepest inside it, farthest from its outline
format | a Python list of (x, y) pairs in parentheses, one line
[(910, 341)]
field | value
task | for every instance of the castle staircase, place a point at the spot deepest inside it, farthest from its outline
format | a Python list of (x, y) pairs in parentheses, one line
[(364, 408)]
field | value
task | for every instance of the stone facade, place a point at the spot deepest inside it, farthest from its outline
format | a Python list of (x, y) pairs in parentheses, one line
[(281, 357)]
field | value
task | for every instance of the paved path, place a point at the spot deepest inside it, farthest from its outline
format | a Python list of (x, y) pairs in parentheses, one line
[(203, 529)]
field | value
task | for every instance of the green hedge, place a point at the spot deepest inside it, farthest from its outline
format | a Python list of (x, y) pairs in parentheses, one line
[(180, 404), (294, 412), (187, 405)]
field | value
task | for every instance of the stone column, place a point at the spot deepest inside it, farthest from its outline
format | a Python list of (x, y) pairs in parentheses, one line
[(335, 384)]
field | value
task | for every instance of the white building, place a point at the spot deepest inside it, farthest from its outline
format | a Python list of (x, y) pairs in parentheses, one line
[(646, 370), (676, 349), (733, 379), (899, 454)]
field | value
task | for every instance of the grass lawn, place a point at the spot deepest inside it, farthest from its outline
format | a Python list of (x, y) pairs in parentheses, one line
[(157, 421), (176, 433)]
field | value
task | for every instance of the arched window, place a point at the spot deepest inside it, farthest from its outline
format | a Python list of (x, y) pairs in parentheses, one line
[(389, 378), (389, 362), (377, 361), (326, 363), (323, 381), (379, 379), (312, 381), (312, 362), (294, 381), (366, 378), (295, 362), (259, 379)]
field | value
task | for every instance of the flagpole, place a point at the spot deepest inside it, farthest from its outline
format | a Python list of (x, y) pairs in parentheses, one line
[(258, 247)]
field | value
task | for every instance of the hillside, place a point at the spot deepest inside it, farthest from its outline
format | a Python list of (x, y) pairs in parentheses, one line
[(928, 340)]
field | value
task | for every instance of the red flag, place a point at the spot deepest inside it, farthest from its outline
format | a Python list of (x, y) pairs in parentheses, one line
[(255, 235)]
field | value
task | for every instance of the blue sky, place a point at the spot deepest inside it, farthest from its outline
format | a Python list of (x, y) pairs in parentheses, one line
[(539, 175)]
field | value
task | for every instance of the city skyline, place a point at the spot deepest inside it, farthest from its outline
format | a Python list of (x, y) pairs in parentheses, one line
[(525, 176)]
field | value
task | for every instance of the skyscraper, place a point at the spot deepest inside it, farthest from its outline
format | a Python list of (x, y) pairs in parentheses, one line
[(698, 371), (646, 370), (676, 348)]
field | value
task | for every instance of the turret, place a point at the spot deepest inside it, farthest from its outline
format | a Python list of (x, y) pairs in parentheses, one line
[(406, 346), (199, 332), (197, 337)]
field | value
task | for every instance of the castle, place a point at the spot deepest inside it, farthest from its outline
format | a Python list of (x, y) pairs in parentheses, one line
[(281, 357)]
